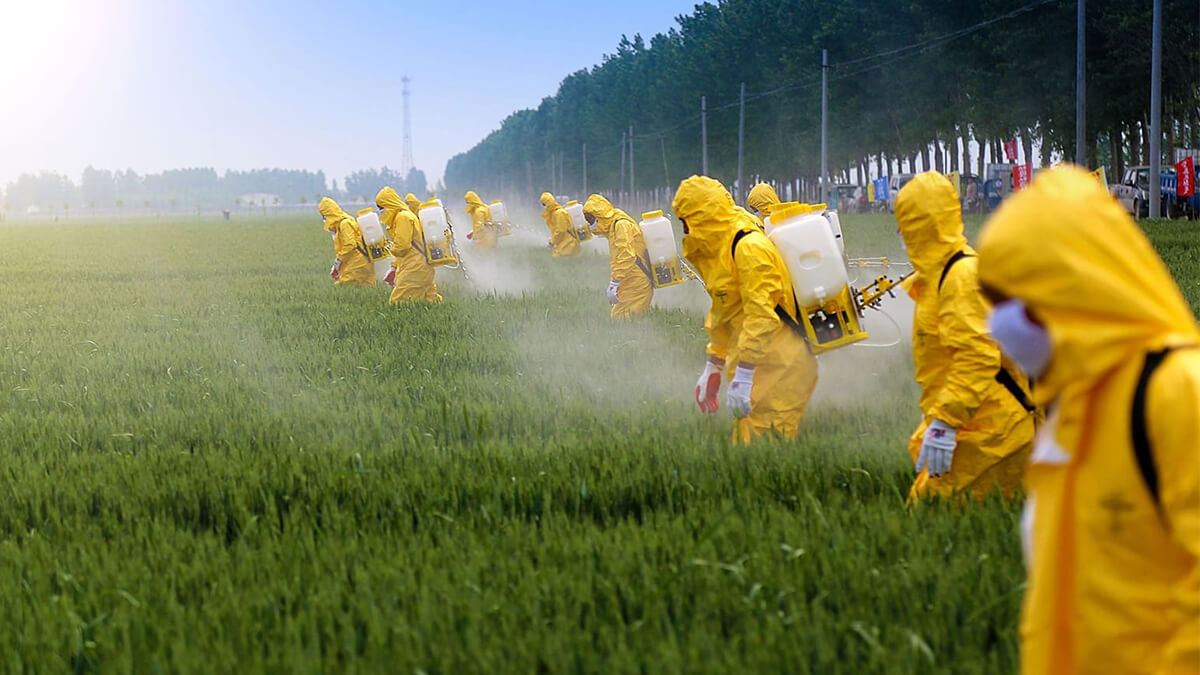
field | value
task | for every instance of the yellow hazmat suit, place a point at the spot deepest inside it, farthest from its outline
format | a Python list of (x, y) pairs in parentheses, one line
[(627, 258), (958, 365), (482, 235), (562, 232), (1114, 573), (348, 247), (414, 274), (742, 322), (761, 198)]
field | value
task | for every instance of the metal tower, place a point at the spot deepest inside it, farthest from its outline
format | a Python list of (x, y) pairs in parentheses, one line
[(406, 159)]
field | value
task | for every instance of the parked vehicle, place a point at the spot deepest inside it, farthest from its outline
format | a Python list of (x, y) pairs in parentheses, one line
[(894, 184), (1133, 192), (845, 197), (997, 184)]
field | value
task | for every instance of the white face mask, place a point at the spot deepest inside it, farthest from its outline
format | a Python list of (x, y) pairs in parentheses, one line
[(903, 246), (1019, 338)]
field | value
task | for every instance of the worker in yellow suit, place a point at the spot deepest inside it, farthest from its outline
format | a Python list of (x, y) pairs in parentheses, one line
[(350, 264), (481, 234), (762, 199), (629, 288), (413, 204), (978, 419), (1112, 521), (412, 276), (562, 234), (753, 336)]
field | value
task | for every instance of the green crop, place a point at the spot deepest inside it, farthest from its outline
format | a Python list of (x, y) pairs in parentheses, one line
[(211, 460)]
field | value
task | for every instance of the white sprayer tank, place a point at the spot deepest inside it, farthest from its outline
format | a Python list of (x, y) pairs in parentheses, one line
[(768, 221), (836, 226), (438, 250), (377, 245), (497, 213), (810, 253), (660, 249), (582, 230)]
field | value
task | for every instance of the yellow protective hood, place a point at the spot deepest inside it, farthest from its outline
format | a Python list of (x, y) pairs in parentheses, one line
[(1088, 273), (761, 198), (604, 212), (331, 212), (549, 205), (930, 220), (472, 200), (711, 216), (413, 204), (389, 200)]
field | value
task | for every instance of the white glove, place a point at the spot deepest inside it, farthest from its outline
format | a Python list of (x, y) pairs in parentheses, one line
[(738, 395), (612, 292), (708, 386), (336, 270), (937, 448)]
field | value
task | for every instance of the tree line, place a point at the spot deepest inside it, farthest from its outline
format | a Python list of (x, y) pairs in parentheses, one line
[(198, 188), (910, 86)]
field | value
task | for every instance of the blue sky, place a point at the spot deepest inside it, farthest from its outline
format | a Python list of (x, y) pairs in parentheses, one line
[(158, 84)]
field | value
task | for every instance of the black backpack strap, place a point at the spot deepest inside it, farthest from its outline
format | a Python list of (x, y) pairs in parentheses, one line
[(779, 311), (1009, 382), (1141, 438), (950, 263), (737, 238)]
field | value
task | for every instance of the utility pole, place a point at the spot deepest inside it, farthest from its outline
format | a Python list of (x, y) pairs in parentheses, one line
[(824, 124), (406, 156), (666, 174), (704, 135), (1080, 83), (1156, 113), (621, 183), (631, 184), (741, 190), (585, 192)]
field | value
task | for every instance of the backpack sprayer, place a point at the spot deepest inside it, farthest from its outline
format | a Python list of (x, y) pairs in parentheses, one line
[(498, 219), (579, 225), (828, 307), (376, 247), (667, 267), (441, 250)]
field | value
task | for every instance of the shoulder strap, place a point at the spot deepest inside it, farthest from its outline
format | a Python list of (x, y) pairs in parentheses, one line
[(1141, 438), (779, 311), (950, 263), (736, 239)]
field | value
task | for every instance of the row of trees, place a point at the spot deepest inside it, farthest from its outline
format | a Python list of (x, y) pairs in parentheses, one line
[(201, 188), (910, 84)]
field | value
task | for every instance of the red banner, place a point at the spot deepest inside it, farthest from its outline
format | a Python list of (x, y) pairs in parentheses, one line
[(1010, 149), (1021, 174), (1185, 174)]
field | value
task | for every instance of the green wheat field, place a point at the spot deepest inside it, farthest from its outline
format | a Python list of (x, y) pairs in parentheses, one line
[(213, 461)]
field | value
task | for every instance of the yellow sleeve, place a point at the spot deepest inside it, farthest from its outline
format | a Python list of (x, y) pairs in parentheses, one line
[(718, 334), (402, 233), (623, 254), (561, 227), (975, 358), (761, 283), (347, 241), (1173, 426)]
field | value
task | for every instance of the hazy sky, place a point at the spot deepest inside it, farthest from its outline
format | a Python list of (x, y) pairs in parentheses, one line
[(301, 84)]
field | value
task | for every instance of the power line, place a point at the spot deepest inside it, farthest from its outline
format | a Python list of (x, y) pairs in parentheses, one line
[(952, 35)]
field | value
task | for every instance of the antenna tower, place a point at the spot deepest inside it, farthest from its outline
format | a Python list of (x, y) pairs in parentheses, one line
[(406, 161)]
